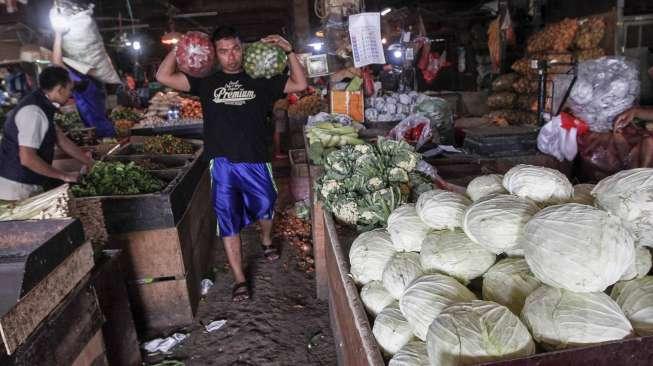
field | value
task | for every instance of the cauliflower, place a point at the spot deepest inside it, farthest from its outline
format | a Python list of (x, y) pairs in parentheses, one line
[(346, 211), (329, 187), (375, 183), (406, 160), (363, 149), (398, 175)]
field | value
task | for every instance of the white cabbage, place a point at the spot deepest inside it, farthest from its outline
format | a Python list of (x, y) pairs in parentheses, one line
[(578, 247), (400, 271), (583, 194), (391, 329), (642, 265), (442, 210), (509, 282), (476, 332), (425, 298), (497, 222), (369, 254), (561, 319), (375, 297), (538, 183), (455, 254), (485, 185), (407, 229), (636, 300), (629, 195), (412, 354)]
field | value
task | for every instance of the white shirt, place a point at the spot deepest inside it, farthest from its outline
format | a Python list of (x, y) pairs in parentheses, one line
[(32, 124)]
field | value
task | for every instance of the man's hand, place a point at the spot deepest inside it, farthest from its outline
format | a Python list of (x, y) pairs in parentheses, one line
[(278, 41), (625, 118), (71, 177)]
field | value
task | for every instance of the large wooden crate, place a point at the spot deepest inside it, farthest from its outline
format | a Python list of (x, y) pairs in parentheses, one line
[(356, 345), (166, 238), (118, 332), (66, 334), (41, 261)]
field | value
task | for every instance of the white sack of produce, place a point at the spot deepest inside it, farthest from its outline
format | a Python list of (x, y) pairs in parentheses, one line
[(375, 297), (477, 332), (628, 194), (539, 184), (412, 354), (605, 88), (497, 222), (560, 319), (195, 54), (455, 254), (578, 247), (441, 209), (642, 265), (583, 194), (392, 330), (402, 269), (635, 298), (484, 186), (82, 43), (406, 229), (425, 298), (369, 254), (509, 282)]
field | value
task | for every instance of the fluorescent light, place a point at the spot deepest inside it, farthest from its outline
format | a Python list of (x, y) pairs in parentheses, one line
[(136, 45), (385, 11), (397, 54), (317, 46), (128, 44)]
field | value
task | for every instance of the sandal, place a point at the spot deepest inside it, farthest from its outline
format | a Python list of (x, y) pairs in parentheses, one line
[(270, 252), (240, 292)]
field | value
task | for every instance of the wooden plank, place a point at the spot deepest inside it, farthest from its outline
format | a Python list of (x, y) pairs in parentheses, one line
[(62, 336), (358, 344), (151, 253), (93, 353), (118, 331), (160, 306), (319, 235), (19, 322)]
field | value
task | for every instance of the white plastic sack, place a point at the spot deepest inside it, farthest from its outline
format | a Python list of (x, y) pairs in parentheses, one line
[(557, 141), (83, 43), (605, 88)]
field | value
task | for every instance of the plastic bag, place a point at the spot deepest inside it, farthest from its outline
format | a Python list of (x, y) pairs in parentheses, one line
[(438, 111), (603, 154), (264, 60), (328, 117), (83, 44), (558, 141), (415, 130), (195, 54), (604, 89)]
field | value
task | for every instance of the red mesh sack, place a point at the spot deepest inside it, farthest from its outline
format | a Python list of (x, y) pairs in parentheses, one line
[(195, 54)]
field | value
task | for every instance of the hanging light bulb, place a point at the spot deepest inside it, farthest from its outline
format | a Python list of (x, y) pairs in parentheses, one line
[(136, 45), (171, 38)]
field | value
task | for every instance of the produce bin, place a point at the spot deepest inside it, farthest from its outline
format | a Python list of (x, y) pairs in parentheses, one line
[(355, 343), (49, 313), (191, 131), (166, 236)]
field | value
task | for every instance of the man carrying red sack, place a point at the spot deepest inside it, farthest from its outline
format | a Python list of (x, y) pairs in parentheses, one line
[(235, 108)]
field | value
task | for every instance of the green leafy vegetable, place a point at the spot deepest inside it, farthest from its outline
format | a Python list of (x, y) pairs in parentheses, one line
[(115, 179)]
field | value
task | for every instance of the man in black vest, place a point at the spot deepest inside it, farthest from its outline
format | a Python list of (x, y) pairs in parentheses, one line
[(30, 135)]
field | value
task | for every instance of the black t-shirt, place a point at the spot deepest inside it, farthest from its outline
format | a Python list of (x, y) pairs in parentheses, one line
[(235, 108)]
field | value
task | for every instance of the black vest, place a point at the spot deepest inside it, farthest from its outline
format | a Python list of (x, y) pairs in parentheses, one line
[(10, 166)]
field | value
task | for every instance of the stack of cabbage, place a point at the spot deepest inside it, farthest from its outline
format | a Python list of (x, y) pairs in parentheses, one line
[(559, 254), (362, 184)]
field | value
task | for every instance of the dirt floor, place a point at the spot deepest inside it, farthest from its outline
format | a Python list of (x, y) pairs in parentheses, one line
[(283, 323)]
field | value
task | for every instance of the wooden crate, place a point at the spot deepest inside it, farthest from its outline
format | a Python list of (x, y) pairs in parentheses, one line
[(118, 332), (68, 334), (165, 266), (356, 345)]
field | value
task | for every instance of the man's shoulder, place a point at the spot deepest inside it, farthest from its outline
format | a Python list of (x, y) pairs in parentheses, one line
[(30, 111)]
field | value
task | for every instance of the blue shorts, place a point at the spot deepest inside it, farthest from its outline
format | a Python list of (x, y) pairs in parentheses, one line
[(243, 193)]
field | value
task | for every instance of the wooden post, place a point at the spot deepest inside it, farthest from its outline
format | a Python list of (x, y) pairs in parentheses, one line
[(301, 22)]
